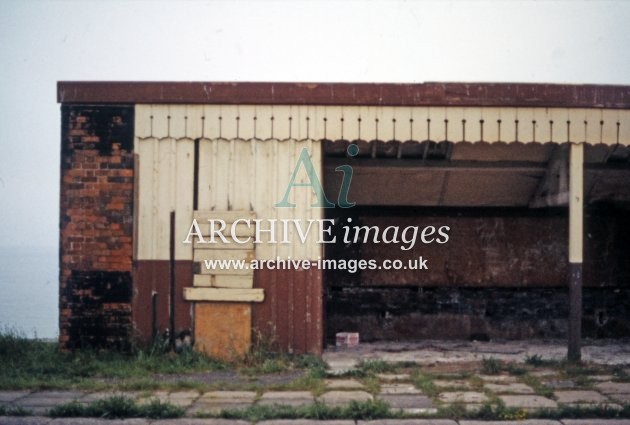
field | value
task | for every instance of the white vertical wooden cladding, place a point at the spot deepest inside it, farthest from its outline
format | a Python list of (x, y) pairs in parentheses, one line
[(248, 152), (436, 123), (234, 175)]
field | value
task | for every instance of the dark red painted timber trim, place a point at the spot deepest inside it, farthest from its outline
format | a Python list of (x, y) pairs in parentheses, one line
[(386, 94), (292, 314), (153, 277), (574, 353)]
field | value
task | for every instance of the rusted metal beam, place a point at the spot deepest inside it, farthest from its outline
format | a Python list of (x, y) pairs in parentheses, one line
[(576, 230)]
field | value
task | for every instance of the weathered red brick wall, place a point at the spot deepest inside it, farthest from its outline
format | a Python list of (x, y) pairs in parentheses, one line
[(96, 226)]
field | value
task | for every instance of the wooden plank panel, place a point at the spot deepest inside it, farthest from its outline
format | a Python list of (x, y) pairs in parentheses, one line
[(266, 192), (507, 126), (387, 123), (285, 164), (242, 175), (455, 127), (184, 181), (201, 269), (160, 121), (282, 125), (142, 121), (224, 294), (164, 201), (246, 122), (227, 216), (490, 117), (229, 122), (609, 130), (350, 123), (194, 123), (593, 128), (220, 245), (314, 249), (332, 122), (241, 230), (368, 123), (144, 209), (525, 118), (221, 161), (316, 116), (560, 117), (178, 121), (224, 281), (212, 123), (435, 127), (419, 128), (206, 172), (541, 128), (217, 254)]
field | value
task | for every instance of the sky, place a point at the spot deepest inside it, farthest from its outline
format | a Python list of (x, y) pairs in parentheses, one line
[(42, 42)]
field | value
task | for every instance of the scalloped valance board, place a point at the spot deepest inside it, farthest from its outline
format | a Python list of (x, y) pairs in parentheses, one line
[(417, 123)]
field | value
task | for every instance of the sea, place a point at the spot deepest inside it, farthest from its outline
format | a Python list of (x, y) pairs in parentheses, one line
[(29, 291)]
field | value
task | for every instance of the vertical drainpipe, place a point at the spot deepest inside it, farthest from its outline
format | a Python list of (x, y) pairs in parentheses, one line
[(576, 232)]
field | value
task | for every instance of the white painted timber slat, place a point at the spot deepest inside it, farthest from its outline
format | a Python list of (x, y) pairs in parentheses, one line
[(508, 124), (178, 121), (160, 121), (243, 164), (227, 216), (142, 121), (164, 196), (221, 162), (184, 187), (224, 294), (246, 114), (525, 117), (609, 131), (455, 118), (217, 254), (194, 122), (206, 160), (265, 194), (435, 126), (211, 114), (419, 129), (248, 243), (223, 281), (144, 148), (282, 122), (319, 122), (559, 127)]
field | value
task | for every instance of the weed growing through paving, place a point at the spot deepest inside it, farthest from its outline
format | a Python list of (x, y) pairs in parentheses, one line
[(377, 366), (538, 387), (581, 412), (117, 407), (491, 366), (424, 382), (14, 411), (373, 409)]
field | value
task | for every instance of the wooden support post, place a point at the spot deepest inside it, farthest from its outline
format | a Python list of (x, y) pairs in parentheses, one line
[(576, 231)]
